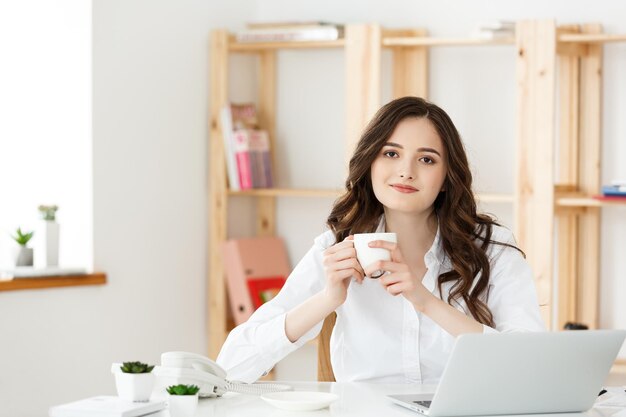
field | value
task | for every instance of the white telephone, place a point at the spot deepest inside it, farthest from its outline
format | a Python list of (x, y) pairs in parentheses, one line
[(191, 368)]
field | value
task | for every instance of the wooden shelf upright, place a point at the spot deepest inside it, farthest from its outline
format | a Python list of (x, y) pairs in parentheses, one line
[(561, 63)]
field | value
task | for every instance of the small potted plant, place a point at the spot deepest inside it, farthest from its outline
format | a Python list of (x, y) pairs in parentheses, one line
[(24, 254), (135, 382), (183, 400)]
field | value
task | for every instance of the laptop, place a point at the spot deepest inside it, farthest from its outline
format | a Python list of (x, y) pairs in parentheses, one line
[(521, 373)]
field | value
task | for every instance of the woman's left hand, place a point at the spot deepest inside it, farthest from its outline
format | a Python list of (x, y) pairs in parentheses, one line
[(398, 278)]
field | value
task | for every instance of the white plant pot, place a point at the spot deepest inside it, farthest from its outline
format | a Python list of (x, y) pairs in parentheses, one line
[(134, 387), (23, 256), (182, 405), (47, 237)]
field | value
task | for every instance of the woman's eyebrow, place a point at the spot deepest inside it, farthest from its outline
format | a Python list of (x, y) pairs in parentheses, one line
[(397, 145), (431, 150)]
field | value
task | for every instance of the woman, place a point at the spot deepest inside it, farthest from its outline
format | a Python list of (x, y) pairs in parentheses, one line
[(452, 271)]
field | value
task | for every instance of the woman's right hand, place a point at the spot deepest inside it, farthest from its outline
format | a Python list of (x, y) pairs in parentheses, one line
[(341, 265)]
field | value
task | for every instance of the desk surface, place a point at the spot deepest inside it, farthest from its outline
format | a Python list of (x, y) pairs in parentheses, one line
[(355, 400)]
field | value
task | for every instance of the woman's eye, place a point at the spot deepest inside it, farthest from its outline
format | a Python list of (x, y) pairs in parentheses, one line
[(391, 154), (427, 160)]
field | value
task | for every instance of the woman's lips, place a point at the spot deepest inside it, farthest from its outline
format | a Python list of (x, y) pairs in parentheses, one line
[(404, 188)]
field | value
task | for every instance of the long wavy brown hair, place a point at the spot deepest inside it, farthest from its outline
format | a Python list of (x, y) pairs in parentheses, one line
[(465, 234)]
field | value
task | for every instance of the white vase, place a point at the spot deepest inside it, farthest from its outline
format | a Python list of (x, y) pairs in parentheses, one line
[(134, 387), (182, 405), (47, 236)]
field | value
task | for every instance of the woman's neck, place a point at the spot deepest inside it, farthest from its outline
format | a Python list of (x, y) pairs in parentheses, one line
[(415, 232)]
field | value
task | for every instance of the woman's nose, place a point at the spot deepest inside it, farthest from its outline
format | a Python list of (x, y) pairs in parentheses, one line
[(407, 171)]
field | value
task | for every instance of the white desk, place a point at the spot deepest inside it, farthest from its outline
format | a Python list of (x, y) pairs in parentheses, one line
[(355, 400)]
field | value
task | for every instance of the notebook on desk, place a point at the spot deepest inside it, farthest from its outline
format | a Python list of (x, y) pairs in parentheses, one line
[(106, 406), (521, 373)]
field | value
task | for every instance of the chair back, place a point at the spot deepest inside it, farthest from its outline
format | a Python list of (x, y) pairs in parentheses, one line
[(324, 367)]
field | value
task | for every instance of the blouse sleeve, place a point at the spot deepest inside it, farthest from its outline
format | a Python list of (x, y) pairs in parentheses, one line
[(254, 347), (512, 296)]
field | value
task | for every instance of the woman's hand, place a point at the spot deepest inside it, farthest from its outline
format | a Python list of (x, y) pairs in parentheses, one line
[(398, 278), (341, 265)]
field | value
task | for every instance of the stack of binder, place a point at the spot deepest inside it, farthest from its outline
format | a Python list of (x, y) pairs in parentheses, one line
[(256, 269)]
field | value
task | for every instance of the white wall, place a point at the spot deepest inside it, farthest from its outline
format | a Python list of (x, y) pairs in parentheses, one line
[(150, 87)]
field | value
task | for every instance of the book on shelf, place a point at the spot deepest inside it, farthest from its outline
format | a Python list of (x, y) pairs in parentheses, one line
[(291, 32), (235, 116), (290, 24), (260, 159), (252, 154), (241, 141), (497, 29), (614, 198), (497, 25), (255, 269), (614, 190)]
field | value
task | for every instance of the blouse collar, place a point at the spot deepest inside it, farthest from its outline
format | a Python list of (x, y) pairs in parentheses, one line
[(434, 254)]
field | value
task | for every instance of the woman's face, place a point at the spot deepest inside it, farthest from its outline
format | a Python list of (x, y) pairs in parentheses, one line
[(409, 171)]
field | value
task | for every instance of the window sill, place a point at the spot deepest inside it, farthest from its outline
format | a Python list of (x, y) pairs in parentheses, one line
[(96, 278)]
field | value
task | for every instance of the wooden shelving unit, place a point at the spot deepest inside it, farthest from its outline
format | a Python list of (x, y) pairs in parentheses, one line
[(579, 55), (541, 199)]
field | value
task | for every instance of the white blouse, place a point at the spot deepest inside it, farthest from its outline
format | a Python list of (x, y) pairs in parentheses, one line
[(379, 337)]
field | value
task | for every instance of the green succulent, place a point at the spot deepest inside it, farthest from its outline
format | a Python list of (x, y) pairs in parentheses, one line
[(22, 238), (48, 212), (182, 389), (136, 368)]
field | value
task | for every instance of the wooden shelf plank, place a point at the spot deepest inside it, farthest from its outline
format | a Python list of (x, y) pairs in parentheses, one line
[(428, 41), (591, 38), (286, 192), (97, 278), (234, 46), (582, 201)]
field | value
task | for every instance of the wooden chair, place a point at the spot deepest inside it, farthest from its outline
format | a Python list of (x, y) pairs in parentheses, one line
[(324, 367)]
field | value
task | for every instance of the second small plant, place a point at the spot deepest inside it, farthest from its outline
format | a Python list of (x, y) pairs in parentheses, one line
[(136, 368), (182, 389)]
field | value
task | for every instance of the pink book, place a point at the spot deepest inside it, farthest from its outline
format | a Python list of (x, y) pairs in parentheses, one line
[(242, 156), (255, 270), (259, 145)]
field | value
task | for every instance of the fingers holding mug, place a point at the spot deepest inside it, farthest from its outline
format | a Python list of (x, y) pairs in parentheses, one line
[(368, 255)]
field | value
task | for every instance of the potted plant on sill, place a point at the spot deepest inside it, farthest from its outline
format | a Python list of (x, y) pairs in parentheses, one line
[(135, 382), (24, 254), (183, 400)]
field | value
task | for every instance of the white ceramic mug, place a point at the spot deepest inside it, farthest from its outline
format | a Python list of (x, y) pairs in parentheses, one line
[(366, 255)]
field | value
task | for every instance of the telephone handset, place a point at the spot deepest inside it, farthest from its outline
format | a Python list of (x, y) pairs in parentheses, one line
[(191, 368)]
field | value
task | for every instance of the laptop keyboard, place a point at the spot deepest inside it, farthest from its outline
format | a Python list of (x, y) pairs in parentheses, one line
[(423, 403)]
